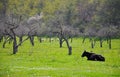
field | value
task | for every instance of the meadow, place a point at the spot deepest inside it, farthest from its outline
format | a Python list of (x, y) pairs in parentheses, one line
[(46, 59)]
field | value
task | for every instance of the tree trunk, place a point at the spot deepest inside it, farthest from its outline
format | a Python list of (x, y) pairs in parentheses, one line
[(110, 43), (20, 39), (92, 43), (10, 40), (40, 39), (4, 43), (71, 40), (101, 42), (60, 42), (32, 40), (83, 40), (69, 47), (6, 39), (1, 38), (70, 50), (15, 47)]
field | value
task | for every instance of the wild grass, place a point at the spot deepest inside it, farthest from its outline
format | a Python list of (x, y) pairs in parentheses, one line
[(48, 60)]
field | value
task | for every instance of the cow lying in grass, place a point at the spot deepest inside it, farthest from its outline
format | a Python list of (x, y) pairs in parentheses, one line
[(93, 56)]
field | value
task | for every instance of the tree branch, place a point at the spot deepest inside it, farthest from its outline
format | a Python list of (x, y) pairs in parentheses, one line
[(23, 41)]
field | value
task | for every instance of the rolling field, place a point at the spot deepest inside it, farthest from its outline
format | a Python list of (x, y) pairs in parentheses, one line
[(48, 60)]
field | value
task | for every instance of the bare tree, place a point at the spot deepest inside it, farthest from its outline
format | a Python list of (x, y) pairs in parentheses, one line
[(63, 31), (91, 33), (14, 28)]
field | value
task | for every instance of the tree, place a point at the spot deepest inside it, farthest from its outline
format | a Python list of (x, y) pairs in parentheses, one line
[(111, 12), (59, 19)]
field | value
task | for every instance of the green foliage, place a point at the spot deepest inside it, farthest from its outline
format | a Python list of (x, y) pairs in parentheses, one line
[(78, 12), (111, 11), (47, 59), (1, 6), (25, 7)]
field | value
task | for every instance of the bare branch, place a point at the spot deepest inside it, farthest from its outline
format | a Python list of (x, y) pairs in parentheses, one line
[(13, 25), (23, 41)]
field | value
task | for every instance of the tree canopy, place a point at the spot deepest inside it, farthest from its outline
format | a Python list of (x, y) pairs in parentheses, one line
[(64, 18)]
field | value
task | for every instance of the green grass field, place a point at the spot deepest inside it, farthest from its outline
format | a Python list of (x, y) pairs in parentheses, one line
[(48, 60)]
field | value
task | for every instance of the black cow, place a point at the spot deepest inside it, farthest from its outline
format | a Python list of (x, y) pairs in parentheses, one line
[(92, 56)]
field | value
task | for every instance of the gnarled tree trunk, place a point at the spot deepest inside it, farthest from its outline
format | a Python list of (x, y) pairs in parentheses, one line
[(69, 47), (15, 47)]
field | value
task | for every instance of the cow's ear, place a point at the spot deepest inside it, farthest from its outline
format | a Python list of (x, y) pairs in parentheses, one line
[(84, 50)]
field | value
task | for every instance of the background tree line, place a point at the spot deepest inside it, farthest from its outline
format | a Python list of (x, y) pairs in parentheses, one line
[(94, 19)]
